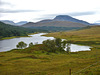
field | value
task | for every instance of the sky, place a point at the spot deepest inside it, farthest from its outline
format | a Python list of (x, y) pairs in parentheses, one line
[(36, 10)]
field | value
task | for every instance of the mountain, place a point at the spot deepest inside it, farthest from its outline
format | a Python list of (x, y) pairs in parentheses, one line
[(12, 23), (69, 18), (8, 22), (59, 23), (96, 23), (21, 23)]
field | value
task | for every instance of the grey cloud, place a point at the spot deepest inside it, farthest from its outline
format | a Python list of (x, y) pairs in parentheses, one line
[(70, 14), (5, 3), (82, 13), (17, 11), (48, 16), (73, 13)]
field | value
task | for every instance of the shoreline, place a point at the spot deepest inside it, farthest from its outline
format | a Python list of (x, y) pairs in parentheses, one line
[(5, 38)]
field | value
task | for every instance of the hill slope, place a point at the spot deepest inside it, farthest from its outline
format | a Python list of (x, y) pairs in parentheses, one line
[(91, 34), (7, 30), (55, 23)]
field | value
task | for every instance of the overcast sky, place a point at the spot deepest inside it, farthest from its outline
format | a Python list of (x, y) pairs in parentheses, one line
[(36, 10)]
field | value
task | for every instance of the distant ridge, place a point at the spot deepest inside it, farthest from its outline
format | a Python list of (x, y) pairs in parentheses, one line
[(96, 23), (12, 23), (21, 23), (8, 22)]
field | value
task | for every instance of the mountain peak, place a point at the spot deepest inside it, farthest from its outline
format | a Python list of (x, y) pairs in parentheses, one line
[(69, 18), (62, 17)]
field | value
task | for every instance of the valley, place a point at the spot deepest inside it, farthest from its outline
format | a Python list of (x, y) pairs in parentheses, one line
[(49, 57)]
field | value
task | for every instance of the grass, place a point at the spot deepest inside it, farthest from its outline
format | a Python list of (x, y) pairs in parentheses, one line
[(20, 63), (89, 35), (33, 61)]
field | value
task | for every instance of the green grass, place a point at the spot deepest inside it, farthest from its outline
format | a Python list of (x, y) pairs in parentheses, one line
[(35, 61), (20, 62)]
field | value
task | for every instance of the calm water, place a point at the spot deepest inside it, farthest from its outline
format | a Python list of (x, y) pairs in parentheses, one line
[(6, 45)]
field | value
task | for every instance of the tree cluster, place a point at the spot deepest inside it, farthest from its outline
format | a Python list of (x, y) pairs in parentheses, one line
[(56, 45), (50, 46)]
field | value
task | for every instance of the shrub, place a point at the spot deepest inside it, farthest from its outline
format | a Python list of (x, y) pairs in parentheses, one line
[(21, 45)]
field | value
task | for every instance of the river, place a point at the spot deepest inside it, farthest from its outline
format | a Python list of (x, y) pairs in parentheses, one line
[(6, 45)]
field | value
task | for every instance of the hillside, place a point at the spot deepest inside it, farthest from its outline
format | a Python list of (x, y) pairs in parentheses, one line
[(7, 30), (89, 34)]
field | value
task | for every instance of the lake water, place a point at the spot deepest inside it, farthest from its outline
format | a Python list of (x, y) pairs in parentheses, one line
[(6, 45)]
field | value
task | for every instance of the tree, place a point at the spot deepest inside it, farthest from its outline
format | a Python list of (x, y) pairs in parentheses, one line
[(68, 48), (21, 45), (64, 43), (50, 44), (58, 42), (31, 44)]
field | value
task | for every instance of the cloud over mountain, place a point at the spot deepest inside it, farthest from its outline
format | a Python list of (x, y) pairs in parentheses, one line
[(82, 13)]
